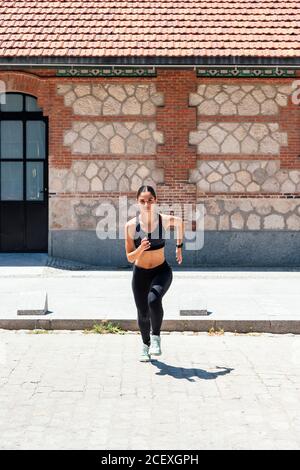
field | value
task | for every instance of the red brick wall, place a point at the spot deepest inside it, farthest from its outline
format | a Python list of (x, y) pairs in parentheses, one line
[(175, 119)]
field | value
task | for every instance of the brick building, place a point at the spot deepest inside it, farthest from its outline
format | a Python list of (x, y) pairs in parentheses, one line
[(197, 98)]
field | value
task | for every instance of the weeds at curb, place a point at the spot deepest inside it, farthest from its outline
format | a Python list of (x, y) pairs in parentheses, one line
[(213, 332), (105, 328), (39, 331)]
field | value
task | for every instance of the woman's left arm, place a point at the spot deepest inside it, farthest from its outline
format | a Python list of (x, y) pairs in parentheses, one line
[(178, 223)]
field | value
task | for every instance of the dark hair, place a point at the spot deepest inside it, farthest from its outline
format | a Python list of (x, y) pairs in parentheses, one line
[(145, 188)]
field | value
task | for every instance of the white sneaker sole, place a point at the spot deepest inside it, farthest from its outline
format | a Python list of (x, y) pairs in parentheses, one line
[(155, 353), (147, 359)]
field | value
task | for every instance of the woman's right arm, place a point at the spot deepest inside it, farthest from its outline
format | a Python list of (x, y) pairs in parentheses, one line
[(133, 253)]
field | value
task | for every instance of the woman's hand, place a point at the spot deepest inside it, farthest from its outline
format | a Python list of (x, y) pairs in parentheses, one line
[(179, 255), (145, 244)]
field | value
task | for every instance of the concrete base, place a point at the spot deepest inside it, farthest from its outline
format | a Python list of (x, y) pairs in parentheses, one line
[(238, 326), (236, 299), (267, 248), (33, 303)]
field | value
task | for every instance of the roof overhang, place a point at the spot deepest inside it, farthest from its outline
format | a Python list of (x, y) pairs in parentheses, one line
[(157, 61)]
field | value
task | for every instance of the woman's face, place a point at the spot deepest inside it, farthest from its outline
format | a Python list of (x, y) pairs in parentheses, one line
[(146, 201)]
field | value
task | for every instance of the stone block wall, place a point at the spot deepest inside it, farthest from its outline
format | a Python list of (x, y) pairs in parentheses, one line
[(248, 155), (231, 144), (112, 142)]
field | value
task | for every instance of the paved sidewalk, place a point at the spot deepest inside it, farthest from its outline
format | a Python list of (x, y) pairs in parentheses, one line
[(69, 390), (237, 300)]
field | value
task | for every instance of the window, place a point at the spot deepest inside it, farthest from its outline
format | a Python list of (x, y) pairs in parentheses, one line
[(22, 148)]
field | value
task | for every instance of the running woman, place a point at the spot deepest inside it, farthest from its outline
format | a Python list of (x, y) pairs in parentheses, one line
[(152, 274)]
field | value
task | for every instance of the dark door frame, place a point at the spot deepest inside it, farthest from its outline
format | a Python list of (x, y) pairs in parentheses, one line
[(27, 116)]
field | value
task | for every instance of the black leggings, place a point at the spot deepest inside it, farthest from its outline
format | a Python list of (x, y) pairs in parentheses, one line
[(149, 286)]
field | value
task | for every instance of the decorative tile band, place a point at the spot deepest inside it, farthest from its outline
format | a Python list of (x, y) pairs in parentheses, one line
[(105, 175), (111, 99), (99, 137), (251, 214), (245, 72), (106, 72), (241, 100), (240, 138), (244, 176)]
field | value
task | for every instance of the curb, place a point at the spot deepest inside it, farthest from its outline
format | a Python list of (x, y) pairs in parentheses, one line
[(238, 326)]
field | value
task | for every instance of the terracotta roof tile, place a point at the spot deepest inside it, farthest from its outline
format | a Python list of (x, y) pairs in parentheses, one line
[(88, 28)]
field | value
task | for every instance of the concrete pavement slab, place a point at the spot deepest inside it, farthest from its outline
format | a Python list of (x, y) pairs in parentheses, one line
[(243, 299), (69, 390)]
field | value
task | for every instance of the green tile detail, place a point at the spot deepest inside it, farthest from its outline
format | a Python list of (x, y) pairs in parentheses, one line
[(246, 72), (106, 72)]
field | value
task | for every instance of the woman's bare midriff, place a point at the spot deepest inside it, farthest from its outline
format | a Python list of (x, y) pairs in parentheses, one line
[(151, 259)]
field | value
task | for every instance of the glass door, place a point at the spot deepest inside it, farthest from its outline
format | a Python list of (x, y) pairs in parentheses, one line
[(23, 174)]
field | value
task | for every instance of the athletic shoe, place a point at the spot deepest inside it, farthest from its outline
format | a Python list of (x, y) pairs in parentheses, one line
[(145, 356), (155, 345)]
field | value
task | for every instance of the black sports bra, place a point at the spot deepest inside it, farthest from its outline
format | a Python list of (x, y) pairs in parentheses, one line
[(158, 241)]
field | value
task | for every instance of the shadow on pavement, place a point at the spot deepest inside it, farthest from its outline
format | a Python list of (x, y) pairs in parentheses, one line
[(188, 373)]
